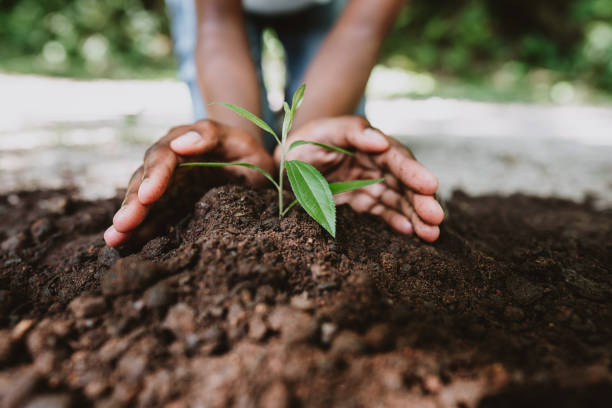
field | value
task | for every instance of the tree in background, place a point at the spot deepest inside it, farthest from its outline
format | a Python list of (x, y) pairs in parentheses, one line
[(508, 40)]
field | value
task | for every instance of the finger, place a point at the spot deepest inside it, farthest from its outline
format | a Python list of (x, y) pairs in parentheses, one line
[(399, 161), (132, 211), (347, 132), (161, 160), (397, 221), (159, 164), (426, 207), (363, 202), (196, 142), (360, 202), (115, 238), (425, 230), (368, 140), (375, 190)]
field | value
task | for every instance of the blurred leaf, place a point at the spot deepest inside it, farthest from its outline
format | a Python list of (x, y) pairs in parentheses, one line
[(298, 97)]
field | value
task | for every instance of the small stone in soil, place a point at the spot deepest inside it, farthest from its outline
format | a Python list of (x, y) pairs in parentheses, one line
[(347, 342), (14, 242), (113, 348), (130, 274), (523, 291), (328, 330), (294, 326), (87, 306), (432, 384), (21, 328), (257, 328), (302, 302), (54, 205), (40, 229), (378, 337), (108, 256), (180, 320), (513, 313), (275, 396), (158, 295), (155, 247)]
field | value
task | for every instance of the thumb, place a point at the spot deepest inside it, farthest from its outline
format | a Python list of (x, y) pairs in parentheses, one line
[(193, 142), (368, 140)]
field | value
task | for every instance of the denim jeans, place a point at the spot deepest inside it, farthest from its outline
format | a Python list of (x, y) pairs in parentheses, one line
[(301, 34)]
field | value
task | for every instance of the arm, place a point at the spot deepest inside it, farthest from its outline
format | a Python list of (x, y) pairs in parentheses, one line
[(338, 75), (226, 72)]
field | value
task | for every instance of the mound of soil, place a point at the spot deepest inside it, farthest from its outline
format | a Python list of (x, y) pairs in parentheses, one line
[(230, 307)]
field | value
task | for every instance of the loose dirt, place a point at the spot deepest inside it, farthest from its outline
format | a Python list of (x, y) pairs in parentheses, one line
[(230, 307)]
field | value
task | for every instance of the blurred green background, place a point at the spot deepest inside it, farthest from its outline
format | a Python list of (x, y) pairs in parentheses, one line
[(523, 50)]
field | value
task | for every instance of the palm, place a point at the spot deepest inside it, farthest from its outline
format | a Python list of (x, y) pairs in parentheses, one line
[(158, 182), (405, 198)]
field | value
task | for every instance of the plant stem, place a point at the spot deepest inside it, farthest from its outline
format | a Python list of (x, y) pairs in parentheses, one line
[(280, 181), (290, 206)]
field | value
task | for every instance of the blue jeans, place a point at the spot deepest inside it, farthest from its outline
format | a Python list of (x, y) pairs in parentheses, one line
[(301, 35)]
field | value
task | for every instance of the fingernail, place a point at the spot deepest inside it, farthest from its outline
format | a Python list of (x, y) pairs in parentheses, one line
[(186, 141), (375, 137)]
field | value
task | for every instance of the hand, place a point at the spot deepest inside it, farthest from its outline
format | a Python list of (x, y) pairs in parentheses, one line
[(405, 200), (181, 144)]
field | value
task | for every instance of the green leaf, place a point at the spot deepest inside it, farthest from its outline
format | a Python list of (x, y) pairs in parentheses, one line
[(313, 193), (341, 187), (248, 115), (344, 186), (218, 164), (323, 145), (298, 97), (287, 121)]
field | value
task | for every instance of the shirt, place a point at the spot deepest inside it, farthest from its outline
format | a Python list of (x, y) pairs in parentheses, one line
[(271, 7)]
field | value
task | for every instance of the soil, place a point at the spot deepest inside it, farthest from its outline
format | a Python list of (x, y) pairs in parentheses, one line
[(230, 307)]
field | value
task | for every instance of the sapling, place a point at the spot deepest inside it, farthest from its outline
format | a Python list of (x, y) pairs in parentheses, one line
[(309, 186)]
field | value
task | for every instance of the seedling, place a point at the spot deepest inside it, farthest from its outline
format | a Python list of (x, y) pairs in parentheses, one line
[(309, 186)]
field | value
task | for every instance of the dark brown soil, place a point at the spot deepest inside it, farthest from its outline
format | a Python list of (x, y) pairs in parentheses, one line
[(511, 307)]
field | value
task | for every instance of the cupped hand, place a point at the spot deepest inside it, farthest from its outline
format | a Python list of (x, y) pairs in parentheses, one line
[(405, 199), (148, 184)]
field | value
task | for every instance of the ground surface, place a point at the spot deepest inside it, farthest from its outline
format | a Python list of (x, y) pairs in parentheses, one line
[(93, 134), (229, 307)]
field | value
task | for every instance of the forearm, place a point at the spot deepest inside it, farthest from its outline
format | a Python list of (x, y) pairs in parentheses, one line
[(226, 72), (339, 73)]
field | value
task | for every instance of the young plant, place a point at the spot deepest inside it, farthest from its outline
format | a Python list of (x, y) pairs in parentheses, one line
[(309, 186)]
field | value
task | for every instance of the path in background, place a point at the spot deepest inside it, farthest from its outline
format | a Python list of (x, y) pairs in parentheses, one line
[(93, 134)]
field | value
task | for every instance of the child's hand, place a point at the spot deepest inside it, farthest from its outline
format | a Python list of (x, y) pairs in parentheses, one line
[(405, 200), (182, 144)]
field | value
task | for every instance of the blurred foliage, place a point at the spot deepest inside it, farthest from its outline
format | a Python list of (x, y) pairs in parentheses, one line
[(504, 44), (85, 38), (507, 43)]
